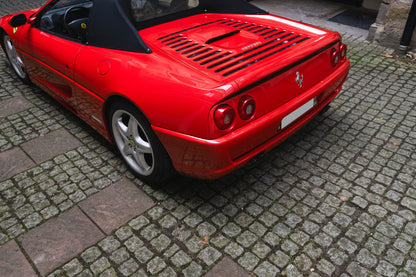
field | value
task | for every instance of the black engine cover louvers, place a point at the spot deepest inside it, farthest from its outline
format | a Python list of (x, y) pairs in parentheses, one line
[(226, 62)]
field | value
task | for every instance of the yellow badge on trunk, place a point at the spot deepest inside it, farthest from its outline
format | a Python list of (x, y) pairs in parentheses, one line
[(83, 26), (14, 30)]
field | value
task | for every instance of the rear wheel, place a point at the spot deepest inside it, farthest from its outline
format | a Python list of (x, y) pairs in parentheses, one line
[(138, 144), (15, 60)]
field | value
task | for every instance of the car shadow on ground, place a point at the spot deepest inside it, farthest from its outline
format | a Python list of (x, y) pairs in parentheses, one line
[(274, 171)]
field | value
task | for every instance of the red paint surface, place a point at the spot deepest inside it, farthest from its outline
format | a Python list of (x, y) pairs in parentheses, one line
[(179, 85)]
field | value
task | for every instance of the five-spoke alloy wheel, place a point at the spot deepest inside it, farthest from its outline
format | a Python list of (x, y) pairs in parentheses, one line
[(15, 60), (133, 142), (138, 144)]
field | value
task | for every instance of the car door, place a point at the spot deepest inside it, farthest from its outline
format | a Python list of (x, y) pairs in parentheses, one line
[(50, 48)]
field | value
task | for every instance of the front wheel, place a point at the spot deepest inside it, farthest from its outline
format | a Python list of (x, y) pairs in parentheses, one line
[(15, 60), (138, 144)]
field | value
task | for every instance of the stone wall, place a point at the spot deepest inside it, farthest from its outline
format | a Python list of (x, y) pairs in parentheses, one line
[(389, 26)]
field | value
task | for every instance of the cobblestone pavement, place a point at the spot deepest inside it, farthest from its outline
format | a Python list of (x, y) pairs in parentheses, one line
[(336, 199)]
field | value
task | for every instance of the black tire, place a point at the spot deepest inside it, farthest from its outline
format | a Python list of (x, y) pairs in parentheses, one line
[(14, 60), (141, 149)]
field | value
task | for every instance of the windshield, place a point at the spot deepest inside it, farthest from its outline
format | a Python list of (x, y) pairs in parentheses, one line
[(65, 3), (149, 9)]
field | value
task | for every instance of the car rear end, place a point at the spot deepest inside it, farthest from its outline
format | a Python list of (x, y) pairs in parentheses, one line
[(286, 73)]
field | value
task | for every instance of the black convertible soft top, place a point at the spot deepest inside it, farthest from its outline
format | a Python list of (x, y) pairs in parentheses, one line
[(111, 24)]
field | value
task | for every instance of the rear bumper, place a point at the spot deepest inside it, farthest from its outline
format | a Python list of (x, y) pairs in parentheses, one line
[(211, 159)]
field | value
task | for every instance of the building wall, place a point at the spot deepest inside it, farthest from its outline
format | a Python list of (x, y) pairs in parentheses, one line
[(389, 26)]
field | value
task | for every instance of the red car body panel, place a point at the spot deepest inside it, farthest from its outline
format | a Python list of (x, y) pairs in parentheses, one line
[(210, 159), (197, 63)]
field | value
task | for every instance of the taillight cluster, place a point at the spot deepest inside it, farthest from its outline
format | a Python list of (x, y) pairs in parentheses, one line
[(339, 55), (225, 115), (246, 107), (343, 52)]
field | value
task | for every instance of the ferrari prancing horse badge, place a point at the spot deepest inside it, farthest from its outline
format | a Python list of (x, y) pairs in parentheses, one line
[(299, 79)]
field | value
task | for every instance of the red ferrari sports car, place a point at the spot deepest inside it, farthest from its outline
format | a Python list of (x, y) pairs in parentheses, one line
[(196, 86)]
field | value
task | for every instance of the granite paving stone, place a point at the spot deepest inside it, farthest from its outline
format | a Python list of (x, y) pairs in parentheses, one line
[(100, 265), (411, 267), (248, 261), (209, 255), (357, 270), (119, 256), (234, 250), (266, 269), (180, 259), (193, 270), (73, 268), (109, 244), (91, 254)]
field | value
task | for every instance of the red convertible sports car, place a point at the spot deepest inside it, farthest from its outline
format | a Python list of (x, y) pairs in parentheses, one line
[(197, 86)]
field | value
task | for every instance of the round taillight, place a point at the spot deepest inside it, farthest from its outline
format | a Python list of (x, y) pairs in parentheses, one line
[(343, 52), (334, 57), (224, 116), (246, 107)]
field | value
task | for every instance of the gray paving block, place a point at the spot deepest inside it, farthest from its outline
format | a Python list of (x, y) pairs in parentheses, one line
[(13, 161), (50, 145), (14, 105), (13, 263), (60, 239), (227, 268), (116, 205)]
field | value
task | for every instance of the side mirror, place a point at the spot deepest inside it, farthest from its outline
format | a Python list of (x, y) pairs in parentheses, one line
[(18, 20)]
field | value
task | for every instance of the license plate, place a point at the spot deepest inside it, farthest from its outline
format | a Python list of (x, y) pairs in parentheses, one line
[(290, 118)]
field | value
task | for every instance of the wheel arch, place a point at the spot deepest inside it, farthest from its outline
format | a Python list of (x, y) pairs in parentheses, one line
[(118, 98)]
